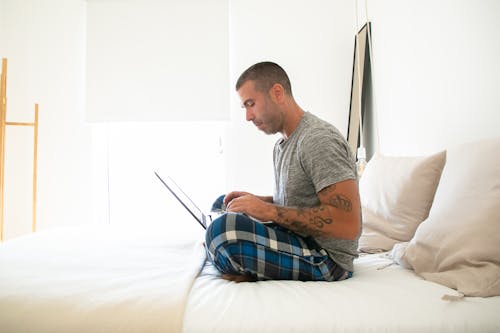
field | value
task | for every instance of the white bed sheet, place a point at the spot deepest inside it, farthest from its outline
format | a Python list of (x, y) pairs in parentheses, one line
[(392, 299), (97, 279)]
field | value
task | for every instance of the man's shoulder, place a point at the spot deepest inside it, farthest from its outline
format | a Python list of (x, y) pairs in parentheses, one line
[(320, 126), (319, 131)]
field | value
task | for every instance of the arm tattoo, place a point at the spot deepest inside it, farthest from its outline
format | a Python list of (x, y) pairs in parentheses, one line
[(313, 221), (341, 202), (337, 200), (303, 229), (305, 221)]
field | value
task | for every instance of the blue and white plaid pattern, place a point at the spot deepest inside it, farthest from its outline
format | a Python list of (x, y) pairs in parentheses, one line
[(237, 244)]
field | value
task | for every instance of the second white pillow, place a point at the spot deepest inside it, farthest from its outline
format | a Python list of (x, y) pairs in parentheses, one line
[(396, 196)]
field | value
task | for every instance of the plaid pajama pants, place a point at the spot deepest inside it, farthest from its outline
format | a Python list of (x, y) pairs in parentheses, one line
[(236, 244)]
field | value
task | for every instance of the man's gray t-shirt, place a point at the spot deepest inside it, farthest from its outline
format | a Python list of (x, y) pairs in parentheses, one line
[(315, 156)]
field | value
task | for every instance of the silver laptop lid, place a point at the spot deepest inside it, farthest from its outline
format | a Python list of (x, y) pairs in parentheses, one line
[(184, 199)]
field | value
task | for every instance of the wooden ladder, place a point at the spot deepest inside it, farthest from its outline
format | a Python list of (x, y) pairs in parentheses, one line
[(3, 124)]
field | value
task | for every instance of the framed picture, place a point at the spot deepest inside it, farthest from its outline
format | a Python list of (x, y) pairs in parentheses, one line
[(356, 110)]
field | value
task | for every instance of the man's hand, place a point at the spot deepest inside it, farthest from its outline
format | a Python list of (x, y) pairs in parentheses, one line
[(250, 205), (233, 195)]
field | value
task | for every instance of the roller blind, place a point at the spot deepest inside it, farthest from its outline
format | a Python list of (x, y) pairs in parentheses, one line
[(157, 60)]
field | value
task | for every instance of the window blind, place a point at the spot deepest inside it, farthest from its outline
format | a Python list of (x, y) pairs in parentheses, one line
[(157, 60)]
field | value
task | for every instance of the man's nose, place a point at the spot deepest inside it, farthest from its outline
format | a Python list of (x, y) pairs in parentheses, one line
[(250, 115)]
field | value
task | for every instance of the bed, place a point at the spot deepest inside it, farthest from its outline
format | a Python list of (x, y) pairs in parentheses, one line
[(381, 298), (427, 264), (103, 279), (97, 279)]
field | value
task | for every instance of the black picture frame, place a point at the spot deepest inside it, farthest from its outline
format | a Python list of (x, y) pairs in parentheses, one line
[(356, 107)]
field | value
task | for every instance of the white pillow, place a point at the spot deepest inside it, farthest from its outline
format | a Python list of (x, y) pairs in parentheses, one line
[(459, 244), (396, 196)]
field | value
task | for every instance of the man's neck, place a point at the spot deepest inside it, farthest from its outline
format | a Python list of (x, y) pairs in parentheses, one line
[(293, 118)]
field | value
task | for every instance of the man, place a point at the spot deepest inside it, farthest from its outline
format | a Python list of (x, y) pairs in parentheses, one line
[(315, 210)]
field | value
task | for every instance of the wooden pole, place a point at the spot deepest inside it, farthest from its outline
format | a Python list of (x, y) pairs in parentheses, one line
[(35, 162), (3, 112)]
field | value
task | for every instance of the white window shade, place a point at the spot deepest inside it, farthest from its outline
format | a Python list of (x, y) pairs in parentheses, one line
[(157, 60)]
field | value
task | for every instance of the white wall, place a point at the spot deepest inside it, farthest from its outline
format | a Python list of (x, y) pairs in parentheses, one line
[(44, 44), (435, 66), (436, 72), (1, 25), (314, 43)]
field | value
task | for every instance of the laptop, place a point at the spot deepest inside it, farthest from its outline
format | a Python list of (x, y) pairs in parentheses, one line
[(203, 219)]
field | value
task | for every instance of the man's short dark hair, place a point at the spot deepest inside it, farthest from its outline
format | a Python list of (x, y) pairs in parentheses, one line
[(265, 75)]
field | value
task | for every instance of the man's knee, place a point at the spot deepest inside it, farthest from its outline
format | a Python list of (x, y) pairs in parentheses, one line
[(215, 229), (220, 232), (218, 204), (217, 243), (226, 233)]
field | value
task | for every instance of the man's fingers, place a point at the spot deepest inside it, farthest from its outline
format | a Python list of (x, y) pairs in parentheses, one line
[(233, 195), (234, 205), (227, 199), (231, 205)]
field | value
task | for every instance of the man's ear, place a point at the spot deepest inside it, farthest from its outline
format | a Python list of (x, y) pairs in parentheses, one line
[(277, 93)]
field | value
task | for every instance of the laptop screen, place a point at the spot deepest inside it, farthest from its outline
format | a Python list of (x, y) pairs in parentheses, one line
[(184, 199)]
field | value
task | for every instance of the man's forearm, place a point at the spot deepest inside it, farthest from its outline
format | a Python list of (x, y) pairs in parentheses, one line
[(306, 221), (338, 220)]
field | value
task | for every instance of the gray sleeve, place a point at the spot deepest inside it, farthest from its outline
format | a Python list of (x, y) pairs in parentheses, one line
[(325, 156)]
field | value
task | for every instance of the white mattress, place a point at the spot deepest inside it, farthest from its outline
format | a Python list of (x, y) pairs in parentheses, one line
[(123, 280), (97, 279), (392, 299)]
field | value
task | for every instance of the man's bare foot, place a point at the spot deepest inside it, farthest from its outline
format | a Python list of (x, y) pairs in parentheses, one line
[(239, 277)]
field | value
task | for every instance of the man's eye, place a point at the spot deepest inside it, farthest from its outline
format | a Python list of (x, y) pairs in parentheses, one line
[(249, 104)]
